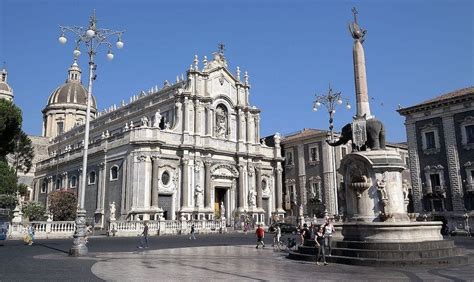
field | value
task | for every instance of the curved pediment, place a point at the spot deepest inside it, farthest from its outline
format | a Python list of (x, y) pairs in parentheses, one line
[(224, 171)]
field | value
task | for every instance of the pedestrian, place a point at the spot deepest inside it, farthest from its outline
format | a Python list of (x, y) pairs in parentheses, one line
[(88, 230), (319, 243), (277, 235), (192, 233), (144, 238), (328, 230), (305, 234), (260, 235), (31, 234)]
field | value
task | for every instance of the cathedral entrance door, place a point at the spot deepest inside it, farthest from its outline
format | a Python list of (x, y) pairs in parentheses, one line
[(218, 199), (164, 202), (266, 207)]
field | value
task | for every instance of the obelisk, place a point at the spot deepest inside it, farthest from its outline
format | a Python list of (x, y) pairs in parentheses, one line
[(360, 77)]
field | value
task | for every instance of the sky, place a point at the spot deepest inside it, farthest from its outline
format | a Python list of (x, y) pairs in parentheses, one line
[(292, 50)]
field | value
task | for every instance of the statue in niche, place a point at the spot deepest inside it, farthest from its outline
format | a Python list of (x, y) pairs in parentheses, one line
[(157, 119), (222, 210), (144, 122), (252, 198), (198, 193), (221, 121), (112, 211)]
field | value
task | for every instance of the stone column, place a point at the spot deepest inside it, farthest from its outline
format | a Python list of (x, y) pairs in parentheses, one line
[(241, 186), (328, 179), (414, 166), (185, 115), (65, 180), (198, 119), (210, 119), (79, 181), (155, 182), (453, 163), (258, 186), (247, 127), (185, 188), (207, 184), (240, 116), (278, 187), (100, 188), (257, 128), (302, 176), (360, 77)]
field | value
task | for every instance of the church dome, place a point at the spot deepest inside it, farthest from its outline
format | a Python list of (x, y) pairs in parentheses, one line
[(71, 92), (6, 92)]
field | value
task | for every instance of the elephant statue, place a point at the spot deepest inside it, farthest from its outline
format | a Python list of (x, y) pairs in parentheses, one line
[(375, 136)]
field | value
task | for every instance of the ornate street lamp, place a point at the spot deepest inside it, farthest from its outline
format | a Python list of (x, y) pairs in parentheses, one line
[(91, 38), (330, 101)]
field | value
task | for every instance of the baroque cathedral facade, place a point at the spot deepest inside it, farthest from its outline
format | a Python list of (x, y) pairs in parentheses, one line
[(189, 150)]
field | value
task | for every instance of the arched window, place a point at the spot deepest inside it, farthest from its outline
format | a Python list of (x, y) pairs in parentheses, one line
[(73, 182), (114, 172), (264, 184), (58, 183), (44, 187), (222, 124), (91, 177)]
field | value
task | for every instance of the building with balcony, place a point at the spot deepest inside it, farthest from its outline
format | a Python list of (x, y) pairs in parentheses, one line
[(440, 135), (187, 150)]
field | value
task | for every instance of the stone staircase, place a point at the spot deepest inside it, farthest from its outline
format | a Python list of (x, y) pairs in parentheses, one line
[(386, 254)]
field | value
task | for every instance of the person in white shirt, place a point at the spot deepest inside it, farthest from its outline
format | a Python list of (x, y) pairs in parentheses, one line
[(328, 230)]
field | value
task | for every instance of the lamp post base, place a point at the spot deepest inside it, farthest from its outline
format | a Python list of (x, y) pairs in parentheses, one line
[(79, 248)]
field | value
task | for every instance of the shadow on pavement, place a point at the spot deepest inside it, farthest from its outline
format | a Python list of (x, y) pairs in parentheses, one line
[(51, 248)]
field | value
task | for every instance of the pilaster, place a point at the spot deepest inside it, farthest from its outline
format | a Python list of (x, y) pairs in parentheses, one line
[(414, 165), (258, 177), (453, 163), (207, 183), (155, 181)]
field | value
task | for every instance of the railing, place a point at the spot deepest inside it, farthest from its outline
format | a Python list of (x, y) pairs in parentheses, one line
[(165, 227), (65, 229), (44, 229)]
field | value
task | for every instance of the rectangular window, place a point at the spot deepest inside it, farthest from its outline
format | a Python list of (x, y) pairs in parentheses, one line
[(313, 154), (470, 134), (472, 174), (289, 158), (435, 180), (430, 140), (60, 125)]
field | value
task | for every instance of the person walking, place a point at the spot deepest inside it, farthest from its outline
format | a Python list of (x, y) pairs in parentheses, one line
[(193, 231), (319, 243), (277, 236), (328, 231), (260, 235), (31, 234), (144, 238)]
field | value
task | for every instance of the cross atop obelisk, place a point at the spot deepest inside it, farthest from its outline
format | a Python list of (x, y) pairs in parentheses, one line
[(360, 76)]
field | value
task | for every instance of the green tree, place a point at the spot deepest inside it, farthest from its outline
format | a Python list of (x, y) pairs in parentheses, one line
[(10, 126), (8, 202), (8, 179), (34, 211), (63, 205), (22, 156)]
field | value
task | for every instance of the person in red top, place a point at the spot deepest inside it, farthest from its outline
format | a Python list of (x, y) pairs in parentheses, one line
[(260, 234)]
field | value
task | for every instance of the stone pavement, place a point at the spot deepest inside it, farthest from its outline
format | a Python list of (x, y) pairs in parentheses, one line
[(245, 263)]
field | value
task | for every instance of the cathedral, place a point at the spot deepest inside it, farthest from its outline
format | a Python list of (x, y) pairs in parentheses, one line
[(188, 150)]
